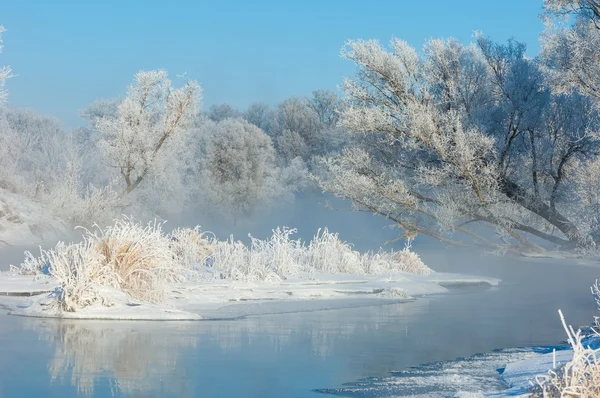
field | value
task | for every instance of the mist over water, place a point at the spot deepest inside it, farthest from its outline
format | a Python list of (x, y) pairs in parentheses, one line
[(307, 213)]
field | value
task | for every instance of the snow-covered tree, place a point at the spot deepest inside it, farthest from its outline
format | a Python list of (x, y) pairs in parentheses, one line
[(294, 115), (290, 145), (143, 136), (238, 173), (589, 9), (260, 115), (572, 50), (33, 150), (326, 105), (216, 113), (5, 72), (463, 135)]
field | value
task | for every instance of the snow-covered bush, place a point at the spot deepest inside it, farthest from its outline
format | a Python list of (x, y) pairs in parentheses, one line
[(143, 261), (578, 378), (281, 257), (139, 256), (126, 257), (190, 246), (234, 260), (328, 253)]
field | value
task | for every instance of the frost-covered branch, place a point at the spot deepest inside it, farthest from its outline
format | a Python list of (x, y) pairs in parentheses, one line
[(462, 133), (5, 72), (147, 128)]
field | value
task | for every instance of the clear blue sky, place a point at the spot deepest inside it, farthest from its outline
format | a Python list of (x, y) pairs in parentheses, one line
[(69, 53)]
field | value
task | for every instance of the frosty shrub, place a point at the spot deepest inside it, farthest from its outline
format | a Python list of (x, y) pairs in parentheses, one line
[(142, 261), (578, 378), (82, 275), (280, 257), (581, 376), (190, 246), (128, 257), (140, 257)]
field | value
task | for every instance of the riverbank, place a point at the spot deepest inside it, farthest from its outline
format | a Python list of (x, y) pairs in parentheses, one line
[(226, 299)]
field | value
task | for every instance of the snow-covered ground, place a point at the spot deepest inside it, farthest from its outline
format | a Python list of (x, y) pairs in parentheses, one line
[(502, 373), (232, 299), (521, 375)]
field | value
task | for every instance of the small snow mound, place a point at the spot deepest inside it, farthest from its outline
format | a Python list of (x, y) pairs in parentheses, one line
[(394, 292)]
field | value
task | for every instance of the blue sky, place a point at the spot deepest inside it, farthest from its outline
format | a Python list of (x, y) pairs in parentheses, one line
[(66, 54)]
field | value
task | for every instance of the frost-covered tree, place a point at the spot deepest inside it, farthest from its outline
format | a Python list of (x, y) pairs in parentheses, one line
[(294, 115), (260, 115), (290, 145), (461, 136), (572, 50), (33, 151), (143, 135), (301, 127), (42, 160), (5, 72), (589, 9), (216, 113), (237, 167), (326, 105)]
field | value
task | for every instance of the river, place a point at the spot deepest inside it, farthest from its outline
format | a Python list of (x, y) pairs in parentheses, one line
[(292, 355)]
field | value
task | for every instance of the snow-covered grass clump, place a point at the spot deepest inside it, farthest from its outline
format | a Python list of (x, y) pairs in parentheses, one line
[(281, 257), (581, 376), (143, 262)]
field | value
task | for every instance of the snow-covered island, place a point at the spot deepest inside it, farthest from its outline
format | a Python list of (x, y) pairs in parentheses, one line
[(130, 271)]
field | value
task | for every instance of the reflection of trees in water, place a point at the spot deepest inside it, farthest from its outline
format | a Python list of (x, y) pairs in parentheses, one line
[(323, 329), (148, 358), (139, 358)]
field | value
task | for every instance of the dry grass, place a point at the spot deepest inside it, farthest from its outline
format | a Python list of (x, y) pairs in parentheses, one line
[(126, 257), (191, 246), (143, 261), (83, 277), (139, 257), (581, 376), (281, 257)]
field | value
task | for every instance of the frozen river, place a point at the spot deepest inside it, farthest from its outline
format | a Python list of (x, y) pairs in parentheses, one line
[(291, 355)]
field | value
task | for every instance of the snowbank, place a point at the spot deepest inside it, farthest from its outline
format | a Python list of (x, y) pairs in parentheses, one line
[(23, 285), (226, 299), (44, 307), (131, 271), (521, 376)]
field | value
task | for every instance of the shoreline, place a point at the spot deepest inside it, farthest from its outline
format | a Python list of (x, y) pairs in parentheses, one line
[(221, 300)]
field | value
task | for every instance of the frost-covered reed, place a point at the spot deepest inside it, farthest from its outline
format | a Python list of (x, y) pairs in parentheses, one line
[(281, 257), (139, 260), (143, 261), (579, 377)]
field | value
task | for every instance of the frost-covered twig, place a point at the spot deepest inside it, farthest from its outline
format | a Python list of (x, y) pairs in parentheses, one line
[(578, 378)]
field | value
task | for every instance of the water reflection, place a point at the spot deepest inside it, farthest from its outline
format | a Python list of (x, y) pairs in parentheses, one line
[(138, 359), (179, 359)]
